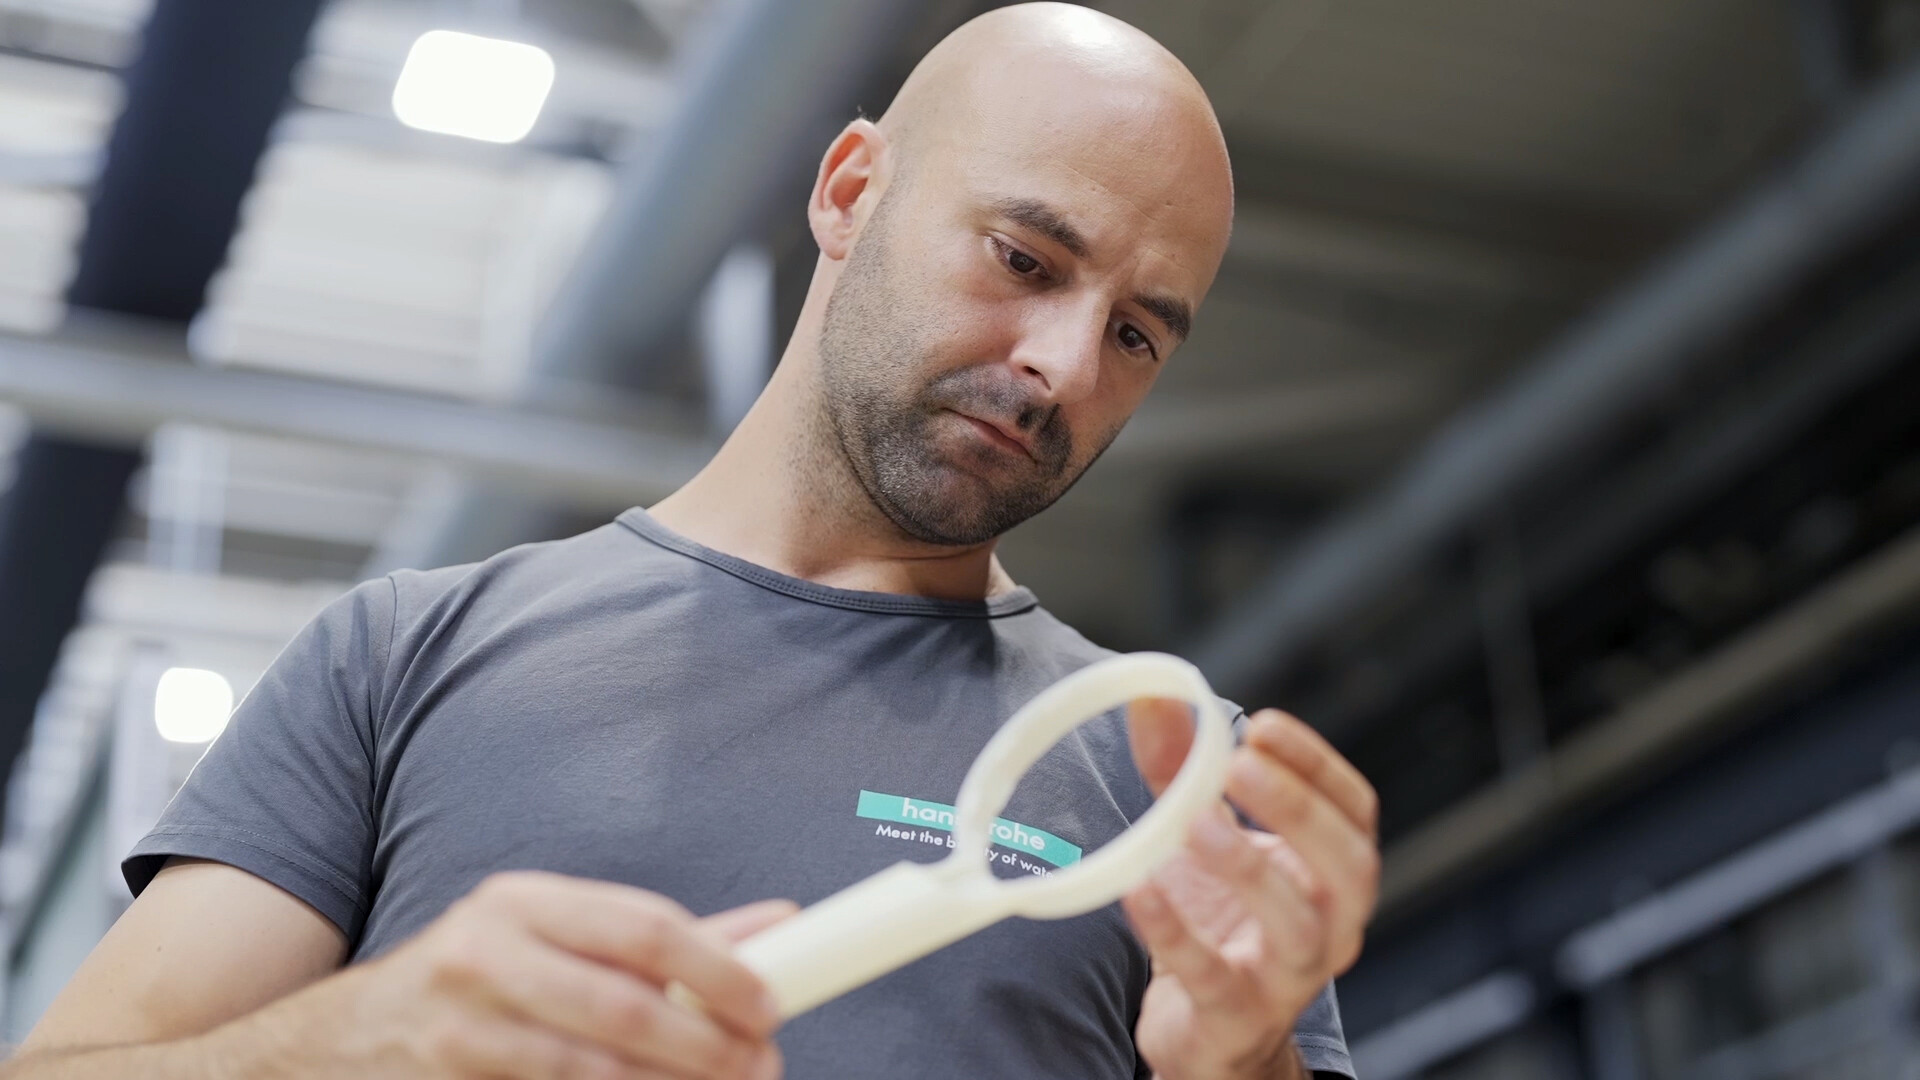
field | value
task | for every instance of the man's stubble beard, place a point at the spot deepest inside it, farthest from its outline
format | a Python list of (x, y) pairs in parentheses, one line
[(885, 440)]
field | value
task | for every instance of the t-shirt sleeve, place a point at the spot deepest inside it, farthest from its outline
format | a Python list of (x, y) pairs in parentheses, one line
[(286, 792), (1323, 1045)]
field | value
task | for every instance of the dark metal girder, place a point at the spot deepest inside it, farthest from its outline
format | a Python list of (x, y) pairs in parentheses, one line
[(1811, 752), (201, 96), (1854, 348), (1852, 183)]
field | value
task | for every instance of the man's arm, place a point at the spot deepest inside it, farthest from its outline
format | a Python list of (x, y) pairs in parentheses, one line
[(203, 945), (216, 973)]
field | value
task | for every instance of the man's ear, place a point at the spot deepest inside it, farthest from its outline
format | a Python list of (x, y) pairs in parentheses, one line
[(851, 176)]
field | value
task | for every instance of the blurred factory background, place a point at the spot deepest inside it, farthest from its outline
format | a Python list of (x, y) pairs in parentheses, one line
[(1551, 439)]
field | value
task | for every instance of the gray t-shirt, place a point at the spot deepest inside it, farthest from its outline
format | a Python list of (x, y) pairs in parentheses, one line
[(629, 705)]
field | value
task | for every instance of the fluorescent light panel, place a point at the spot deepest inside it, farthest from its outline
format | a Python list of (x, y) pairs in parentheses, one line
[(191, 705), (475, 87)]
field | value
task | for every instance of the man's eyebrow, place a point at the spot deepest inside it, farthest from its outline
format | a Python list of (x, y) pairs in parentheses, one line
[(1044, 220), (1172, 312)]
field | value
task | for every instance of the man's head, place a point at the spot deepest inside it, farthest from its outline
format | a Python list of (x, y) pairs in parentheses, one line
[(1009, 255)]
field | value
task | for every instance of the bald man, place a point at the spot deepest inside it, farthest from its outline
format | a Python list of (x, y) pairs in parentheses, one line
[(464, 824)]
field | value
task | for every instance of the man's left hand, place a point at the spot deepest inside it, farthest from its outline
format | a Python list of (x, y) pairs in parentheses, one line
[(1245, 928)]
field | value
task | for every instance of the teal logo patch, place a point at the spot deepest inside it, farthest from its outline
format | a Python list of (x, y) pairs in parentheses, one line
[(1025, 839)]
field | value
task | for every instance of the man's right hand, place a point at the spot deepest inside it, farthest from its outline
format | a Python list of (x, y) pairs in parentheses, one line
[(538, 975), (531, 975)]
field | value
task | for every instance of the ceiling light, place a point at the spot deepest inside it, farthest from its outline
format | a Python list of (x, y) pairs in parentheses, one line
[(475, 87), (191, 705)]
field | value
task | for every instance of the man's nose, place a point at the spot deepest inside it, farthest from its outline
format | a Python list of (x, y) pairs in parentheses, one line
[(1061, 350)]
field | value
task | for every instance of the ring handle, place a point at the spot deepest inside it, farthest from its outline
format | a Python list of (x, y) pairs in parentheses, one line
[(1131, 857), (911, 909)]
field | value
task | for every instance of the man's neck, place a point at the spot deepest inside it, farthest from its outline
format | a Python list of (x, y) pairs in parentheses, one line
[(779, 494)]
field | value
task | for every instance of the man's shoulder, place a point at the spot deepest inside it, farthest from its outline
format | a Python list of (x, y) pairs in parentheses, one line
[(533, 564), (1068, 650), (1047, 636)]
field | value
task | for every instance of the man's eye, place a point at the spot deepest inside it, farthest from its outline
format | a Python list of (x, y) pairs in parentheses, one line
[(1016, 260), (1131, 338)]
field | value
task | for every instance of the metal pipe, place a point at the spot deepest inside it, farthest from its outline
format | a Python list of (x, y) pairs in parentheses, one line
[(756, 100), (1863, 172), (1722, 893), (762, 88)]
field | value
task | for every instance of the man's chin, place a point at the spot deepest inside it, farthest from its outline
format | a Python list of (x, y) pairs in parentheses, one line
[(956, 497), (938, 521)]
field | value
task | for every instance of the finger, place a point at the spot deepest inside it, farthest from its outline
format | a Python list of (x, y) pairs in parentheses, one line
[(645, 934), (1271, 885), (1308, 753), (498, 1046), (1213, 983), (743, 922), (1160, 730), (1341, 862), (611, 1009)]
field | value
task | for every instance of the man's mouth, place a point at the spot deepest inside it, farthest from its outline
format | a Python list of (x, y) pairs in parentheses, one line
[(1005, 437)]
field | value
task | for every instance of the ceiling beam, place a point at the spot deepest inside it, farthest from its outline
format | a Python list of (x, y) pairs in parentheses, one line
[(116, 384), (1836, 198)]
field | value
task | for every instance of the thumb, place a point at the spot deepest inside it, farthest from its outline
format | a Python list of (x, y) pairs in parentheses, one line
[(743, 922), (1160, 730)]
